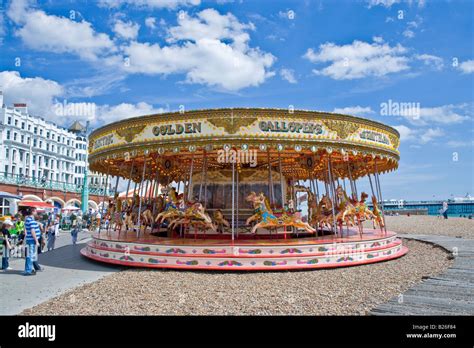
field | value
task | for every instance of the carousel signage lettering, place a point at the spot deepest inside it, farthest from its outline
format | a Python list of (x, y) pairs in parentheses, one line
[(374, 136), (291, 127), (178, 128), (104, 141)]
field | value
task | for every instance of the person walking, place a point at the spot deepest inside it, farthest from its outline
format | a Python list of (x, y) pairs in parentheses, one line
[(32, 232), (51, 234), (74, 230), (6, 243), (445, 210)]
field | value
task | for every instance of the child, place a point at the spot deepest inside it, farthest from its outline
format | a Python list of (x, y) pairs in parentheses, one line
[(5, 235)]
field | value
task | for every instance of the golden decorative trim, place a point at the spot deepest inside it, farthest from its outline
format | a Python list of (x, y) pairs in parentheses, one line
[(130, 133), (238, 113), (232, 124), (342, 128)]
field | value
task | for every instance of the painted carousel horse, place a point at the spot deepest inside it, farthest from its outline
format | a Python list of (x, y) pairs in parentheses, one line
[(118, 216), (322, 217), (147, 218), (194, 216), (170, 210), (268, 220), (362, 212), (345, 210), (128, 222), (257, 213), (377, 215), (220, 221)]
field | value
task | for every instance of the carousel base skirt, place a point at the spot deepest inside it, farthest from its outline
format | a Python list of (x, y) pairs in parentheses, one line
[(246, 255)]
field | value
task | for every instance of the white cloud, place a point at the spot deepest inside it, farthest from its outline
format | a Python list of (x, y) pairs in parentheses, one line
[(149, 4), (211, 49), (150, 22), (288, 75), (445, 114), (460, 143), (467, 67), (389, 3), (354, 110), (412, 26), (126, 30), (430, 60), (44, 32), (430, 134), (421, 136), (210, 25), (409, 33), (406, 133), (358, 60), (38, 93), (107, 113)]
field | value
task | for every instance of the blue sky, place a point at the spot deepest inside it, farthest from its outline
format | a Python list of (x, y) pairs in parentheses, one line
[(133, 57)]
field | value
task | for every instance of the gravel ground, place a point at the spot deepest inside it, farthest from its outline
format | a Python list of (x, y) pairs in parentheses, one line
[(342, 291), (425, 224)]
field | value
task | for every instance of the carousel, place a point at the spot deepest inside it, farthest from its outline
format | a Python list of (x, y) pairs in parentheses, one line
[(244, 189)]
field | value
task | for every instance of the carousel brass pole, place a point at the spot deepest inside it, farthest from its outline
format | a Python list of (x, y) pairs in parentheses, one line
[(202, 174), (237, 201), (377, 184), (233, 199), (270, 181), (317, 188), (351, 181), (190, 182), (103, 197), (115, 203), (155, 193), (128, 184), (140, 204), (332, 198), (281, 181), (205, 184)]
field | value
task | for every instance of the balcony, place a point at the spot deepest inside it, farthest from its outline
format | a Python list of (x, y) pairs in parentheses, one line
[(43, 183)]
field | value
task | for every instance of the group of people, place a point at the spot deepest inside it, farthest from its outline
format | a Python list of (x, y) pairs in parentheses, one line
[(30, 234)]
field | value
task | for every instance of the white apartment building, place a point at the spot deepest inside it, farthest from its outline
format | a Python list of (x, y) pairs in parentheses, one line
[(33, 148)]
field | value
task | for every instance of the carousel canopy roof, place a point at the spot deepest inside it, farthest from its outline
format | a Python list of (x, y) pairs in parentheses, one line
[(304, 142)]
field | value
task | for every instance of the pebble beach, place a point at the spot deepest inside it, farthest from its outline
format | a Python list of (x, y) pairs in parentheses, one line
[(342, 291)]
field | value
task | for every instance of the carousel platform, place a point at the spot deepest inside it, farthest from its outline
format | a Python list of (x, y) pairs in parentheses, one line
[(262, 254)]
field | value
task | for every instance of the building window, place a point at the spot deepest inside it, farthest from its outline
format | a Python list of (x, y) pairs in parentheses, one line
[(14, 136), (8, 135), (35, 130), (4, 206), (6, 170), (9, 120), (35, 142), (29, 127), (47, 135), (41, 131), (23, 125), (7, 153), (16, 123), (41, 144), (22, 138), (34, 159)]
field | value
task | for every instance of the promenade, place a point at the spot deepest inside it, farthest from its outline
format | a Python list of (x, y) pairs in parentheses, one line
[(64, 269)]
